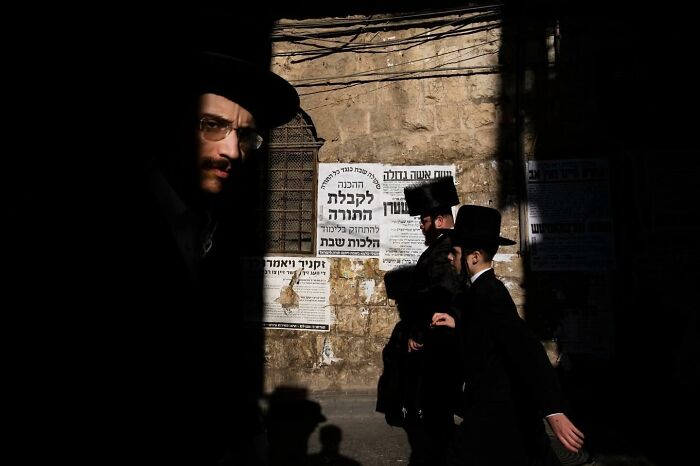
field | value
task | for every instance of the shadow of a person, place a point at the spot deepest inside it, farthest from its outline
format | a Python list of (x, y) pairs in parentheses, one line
[(392, 390), (291, 419), (330, 437)]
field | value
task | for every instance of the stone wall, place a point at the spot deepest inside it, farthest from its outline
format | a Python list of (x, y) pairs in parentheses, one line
[(395, 106)]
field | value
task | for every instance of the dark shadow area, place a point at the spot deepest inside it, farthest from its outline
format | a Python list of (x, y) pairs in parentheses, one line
[(291, 418), (614, 86), (330, 437), (115, 358), (105, 368)]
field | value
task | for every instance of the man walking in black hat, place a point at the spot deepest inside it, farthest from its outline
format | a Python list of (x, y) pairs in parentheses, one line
[(431, 351), (509, 383)]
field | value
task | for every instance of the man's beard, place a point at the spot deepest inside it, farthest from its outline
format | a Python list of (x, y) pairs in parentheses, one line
[(431, 235)]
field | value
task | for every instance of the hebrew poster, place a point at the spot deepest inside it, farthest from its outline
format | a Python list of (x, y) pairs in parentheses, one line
[(401, 238), (349, 209)]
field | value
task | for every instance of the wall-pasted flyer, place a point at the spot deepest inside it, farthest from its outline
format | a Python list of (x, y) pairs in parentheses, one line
[(295, 292), (569, 215), (349, 208), (401, 239), (362, 211)]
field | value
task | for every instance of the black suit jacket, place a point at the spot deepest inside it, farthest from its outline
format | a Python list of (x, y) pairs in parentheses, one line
[(434, 284), (431, 375), (184, 373), (509, 381)]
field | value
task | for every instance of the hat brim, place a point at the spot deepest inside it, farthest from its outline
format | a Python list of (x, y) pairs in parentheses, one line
[(269, 97)]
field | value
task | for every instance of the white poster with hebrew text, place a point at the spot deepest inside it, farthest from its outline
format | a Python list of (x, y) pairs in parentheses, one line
[(349, 209), (401, 238), (295, 292)]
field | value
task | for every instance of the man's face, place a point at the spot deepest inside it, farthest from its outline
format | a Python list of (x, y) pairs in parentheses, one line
[(215, 159), (429, 226), (455, 258)]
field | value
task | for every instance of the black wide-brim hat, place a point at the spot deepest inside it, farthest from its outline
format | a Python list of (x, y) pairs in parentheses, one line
[(270, 98), (432, 196), (477, 227)]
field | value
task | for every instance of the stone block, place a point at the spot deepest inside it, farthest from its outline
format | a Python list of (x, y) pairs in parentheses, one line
[(405, 94), (357, 150), (481, 176), (352, 122), (382, 320), (485, 88), (355, 268), (352, 319), (479, 115), (326, 128), (386, 118), (372, 291), (448, 117), (343, 292), (509, 265), (350, 349), (451, 146), (388, 148), (420, 120), (293, 349)]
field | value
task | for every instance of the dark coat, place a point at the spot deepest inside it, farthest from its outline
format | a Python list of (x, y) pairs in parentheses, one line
[(391, 393), (434, 284), (186, 375), (510, 384), (427, 379), (431, 373)]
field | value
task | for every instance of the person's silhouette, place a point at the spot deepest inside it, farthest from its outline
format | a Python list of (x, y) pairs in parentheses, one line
[(330, 437), (291, 418)]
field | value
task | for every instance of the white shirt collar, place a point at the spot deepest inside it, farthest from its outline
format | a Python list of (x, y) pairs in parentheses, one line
[(478, 274)]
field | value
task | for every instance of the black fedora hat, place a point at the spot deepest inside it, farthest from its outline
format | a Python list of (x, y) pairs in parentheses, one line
[(427, 198), (269, 97), (478, 227)]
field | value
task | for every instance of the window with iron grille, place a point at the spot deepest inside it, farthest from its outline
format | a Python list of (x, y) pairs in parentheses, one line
[(290, 178)]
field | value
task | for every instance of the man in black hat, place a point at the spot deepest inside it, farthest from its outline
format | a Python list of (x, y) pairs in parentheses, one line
[(149, 365), (509, 383), (434, 281), (198, 369), (433, 376), (226, 105)]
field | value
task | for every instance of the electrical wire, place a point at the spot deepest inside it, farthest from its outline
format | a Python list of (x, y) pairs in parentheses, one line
[(460, 29), (327, 80), (396, 19), (482, 19)]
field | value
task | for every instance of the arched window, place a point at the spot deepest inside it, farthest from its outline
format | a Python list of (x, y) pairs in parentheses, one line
[(290, 198)]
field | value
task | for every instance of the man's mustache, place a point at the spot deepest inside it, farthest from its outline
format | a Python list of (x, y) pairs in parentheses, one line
[(223, 164)]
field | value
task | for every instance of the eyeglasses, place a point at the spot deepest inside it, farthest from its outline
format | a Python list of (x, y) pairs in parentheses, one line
[(215, 129)]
